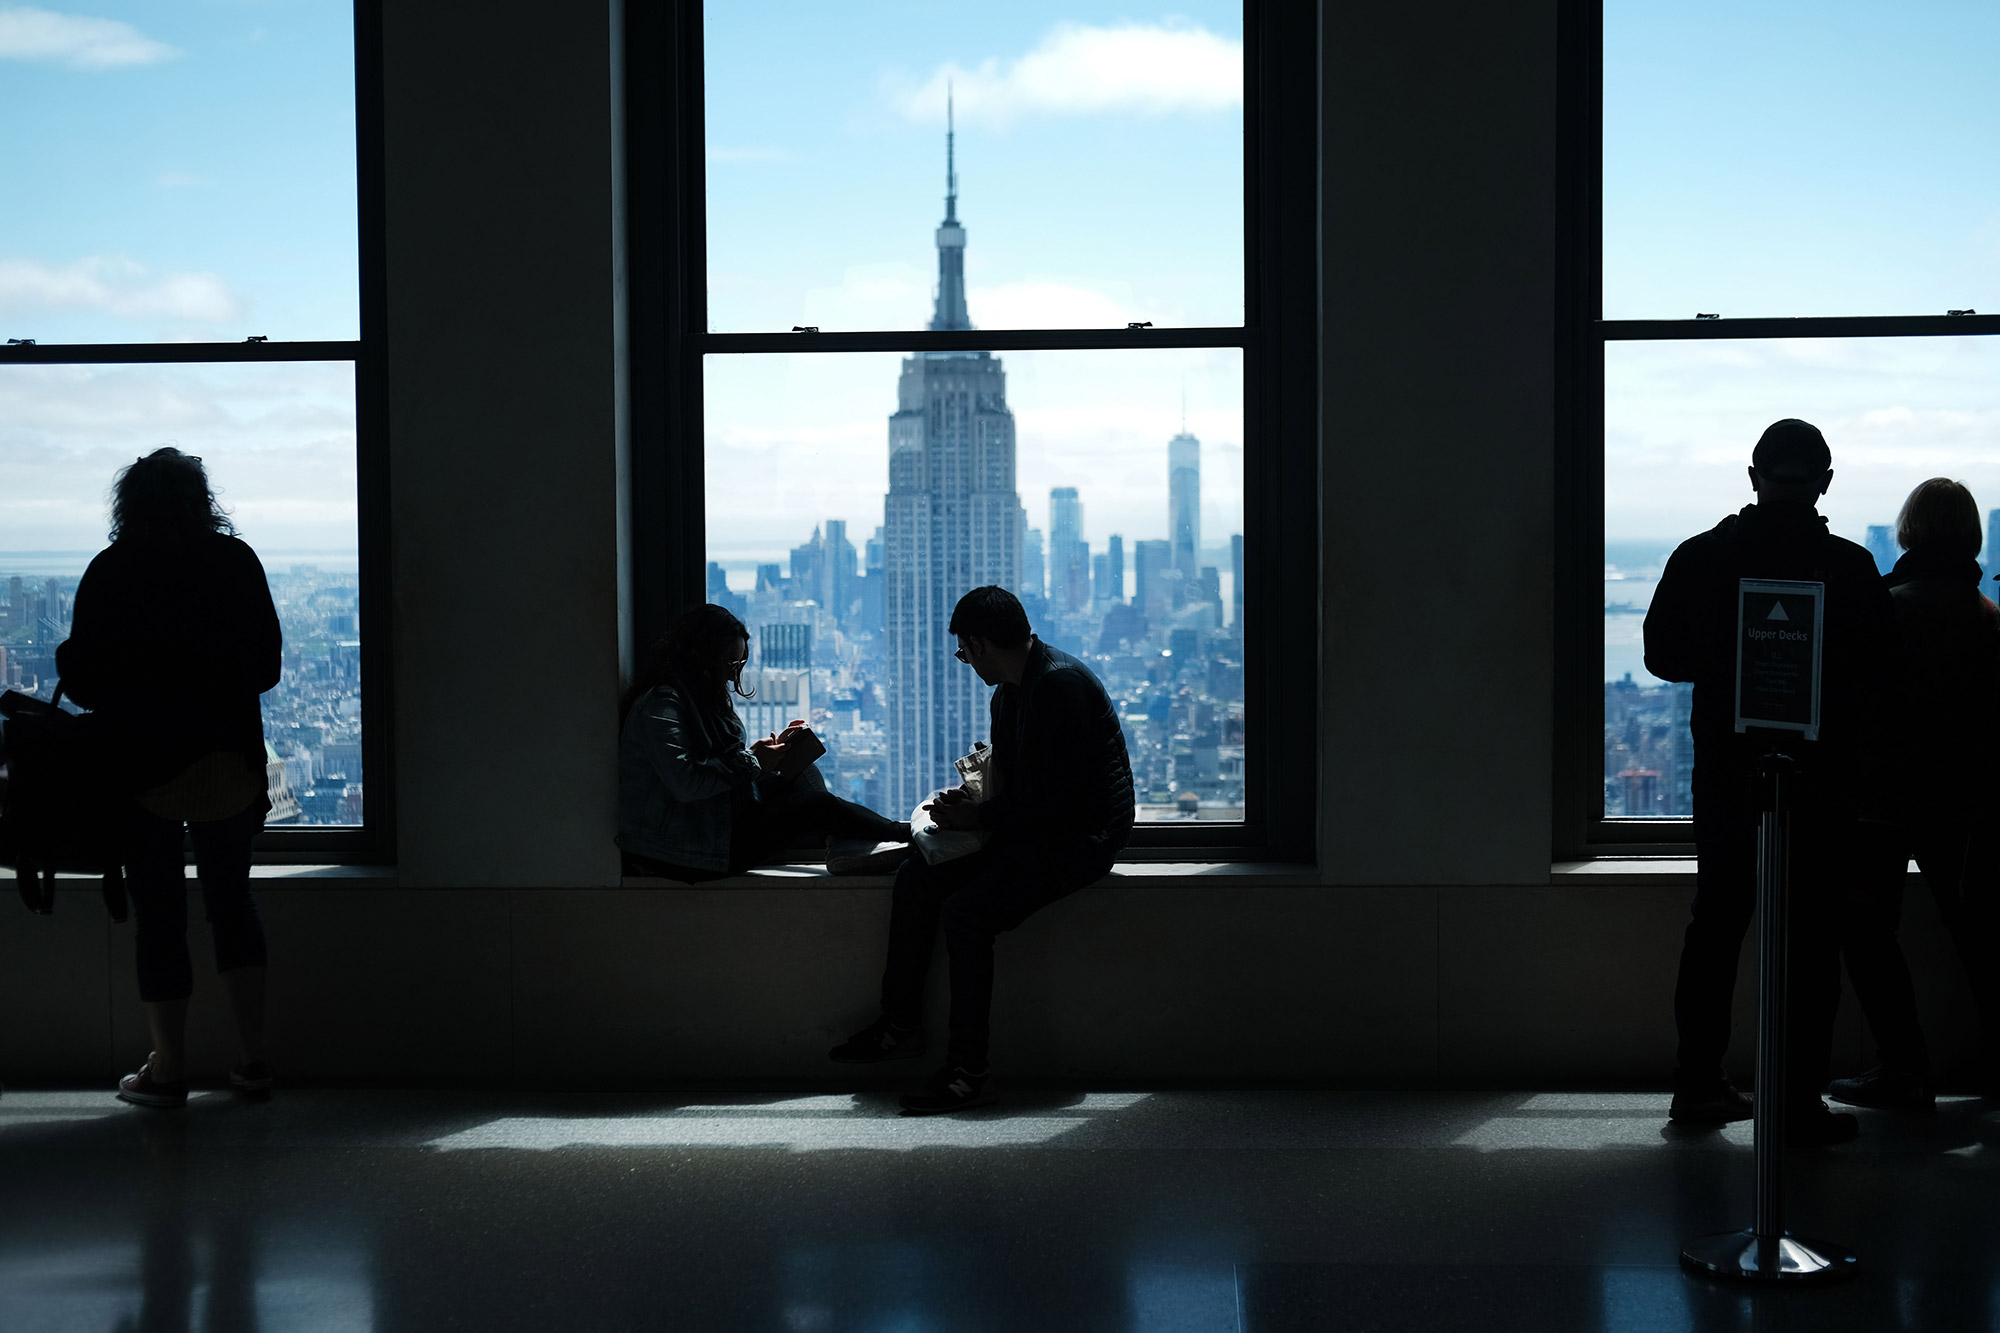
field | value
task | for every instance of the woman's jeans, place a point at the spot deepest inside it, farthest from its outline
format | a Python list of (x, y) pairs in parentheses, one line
[(802, 808), (1958, 866), (760, 829), (157, 882)]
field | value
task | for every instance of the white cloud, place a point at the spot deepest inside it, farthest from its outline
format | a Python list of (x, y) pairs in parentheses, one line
[(1149, 69), (75, 41), (278, 441), (115, 286), (1046, 305)]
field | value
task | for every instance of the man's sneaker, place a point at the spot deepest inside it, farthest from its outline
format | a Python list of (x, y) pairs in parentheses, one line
[(951, 1089), (1812, 1125), (142, 1089), (1716, 1104), (256, 1076), (880, 1040), (1885, 1090)]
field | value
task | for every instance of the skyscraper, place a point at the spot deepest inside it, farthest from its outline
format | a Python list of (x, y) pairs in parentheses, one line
[(1065, 535), (1034, 578), (1236, 581), (809, 571), (953, 523), (840, 562), (1114, 569), (1151, 563), (1882, 545), (1184, 503)]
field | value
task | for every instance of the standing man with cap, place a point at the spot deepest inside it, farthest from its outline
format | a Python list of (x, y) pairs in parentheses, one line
[(1691, 636)]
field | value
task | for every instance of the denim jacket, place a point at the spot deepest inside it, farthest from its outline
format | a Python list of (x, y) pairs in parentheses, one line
[(678, 781)]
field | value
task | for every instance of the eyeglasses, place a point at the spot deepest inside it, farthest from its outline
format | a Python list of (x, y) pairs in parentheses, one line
[(959, 653)]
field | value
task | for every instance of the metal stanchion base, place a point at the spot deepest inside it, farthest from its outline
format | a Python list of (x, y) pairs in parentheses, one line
[(1740, 1254)]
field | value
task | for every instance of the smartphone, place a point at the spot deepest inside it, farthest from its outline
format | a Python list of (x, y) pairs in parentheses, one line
[(802, 749)]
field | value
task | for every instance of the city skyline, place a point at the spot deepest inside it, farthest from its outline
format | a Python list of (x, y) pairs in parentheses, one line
[(312, 717)]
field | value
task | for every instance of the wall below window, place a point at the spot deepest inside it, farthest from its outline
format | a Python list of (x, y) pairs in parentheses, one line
[(1378, 986)]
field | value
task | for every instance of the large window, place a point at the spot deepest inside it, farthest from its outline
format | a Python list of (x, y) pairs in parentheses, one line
[(191, 272), (1787, 230), (986, 300)]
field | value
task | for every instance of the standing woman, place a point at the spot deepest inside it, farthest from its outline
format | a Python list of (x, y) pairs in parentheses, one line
[(172, 639), (695, 803), (1948, 641)]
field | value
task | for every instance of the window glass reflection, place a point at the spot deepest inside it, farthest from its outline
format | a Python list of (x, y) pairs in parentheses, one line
[(277, 440), (1680, 421), (1098, 163), (1799, 157), (178, 173)]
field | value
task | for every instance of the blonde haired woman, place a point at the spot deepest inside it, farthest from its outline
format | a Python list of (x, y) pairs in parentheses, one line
[(1948, 638)]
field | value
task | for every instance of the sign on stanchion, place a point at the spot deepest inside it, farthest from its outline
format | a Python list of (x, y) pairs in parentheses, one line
[(1778, 627)]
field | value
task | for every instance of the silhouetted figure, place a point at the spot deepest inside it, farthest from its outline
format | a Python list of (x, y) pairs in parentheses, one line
[(173, 637), (1947, 740), (694, 803), (1060, 812), (1691, 636)]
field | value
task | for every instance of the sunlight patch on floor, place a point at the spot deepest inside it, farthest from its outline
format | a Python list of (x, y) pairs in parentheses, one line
[(801, 1124)]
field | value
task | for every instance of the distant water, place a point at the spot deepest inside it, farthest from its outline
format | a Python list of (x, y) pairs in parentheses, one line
[(43, 564), (1625, 649), (1624, 641)]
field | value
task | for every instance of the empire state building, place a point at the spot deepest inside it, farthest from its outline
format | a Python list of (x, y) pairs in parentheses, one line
[(953, 522)]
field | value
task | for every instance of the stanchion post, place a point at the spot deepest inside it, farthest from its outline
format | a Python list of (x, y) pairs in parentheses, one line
[(1767, 1252)]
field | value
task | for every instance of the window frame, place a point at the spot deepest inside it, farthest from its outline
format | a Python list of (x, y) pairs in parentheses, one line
[(1582, 830), (664, 253), (374, 840)]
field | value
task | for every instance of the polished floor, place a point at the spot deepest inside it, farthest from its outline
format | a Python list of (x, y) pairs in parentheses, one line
[(1144, 1212)]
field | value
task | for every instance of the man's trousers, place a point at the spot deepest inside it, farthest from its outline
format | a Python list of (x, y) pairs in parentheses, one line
[(973, 899)]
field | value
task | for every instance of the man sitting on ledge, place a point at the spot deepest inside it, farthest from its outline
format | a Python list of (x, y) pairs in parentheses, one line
[(1060, 812)]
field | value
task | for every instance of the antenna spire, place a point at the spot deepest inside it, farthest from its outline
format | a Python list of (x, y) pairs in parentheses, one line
[(950, 159), (950, 310)]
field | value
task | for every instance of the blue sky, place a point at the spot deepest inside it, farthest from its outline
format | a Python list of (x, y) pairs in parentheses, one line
[(185, 170), (178, 172), (1801, 157), (1099, 161)]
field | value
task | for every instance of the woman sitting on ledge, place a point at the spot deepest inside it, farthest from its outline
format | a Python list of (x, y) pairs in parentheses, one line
[(694, 803)]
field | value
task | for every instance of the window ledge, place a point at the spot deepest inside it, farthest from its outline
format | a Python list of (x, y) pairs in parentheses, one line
[(1124, 875), (300, 876), (1624, 871), (1640, 871)]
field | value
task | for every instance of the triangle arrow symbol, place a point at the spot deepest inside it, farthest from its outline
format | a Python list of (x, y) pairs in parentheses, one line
[(1777, 612)]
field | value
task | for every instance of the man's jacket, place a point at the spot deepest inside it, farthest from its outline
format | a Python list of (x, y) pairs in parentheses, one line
[(1059, 749), (1691, 636)]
